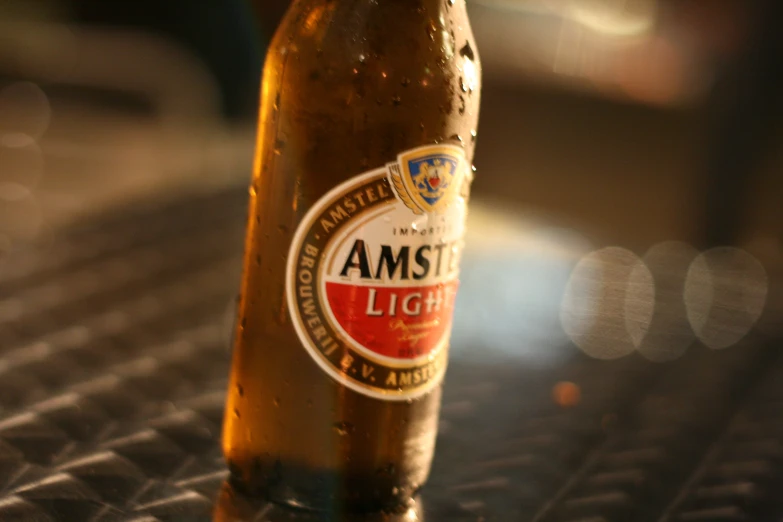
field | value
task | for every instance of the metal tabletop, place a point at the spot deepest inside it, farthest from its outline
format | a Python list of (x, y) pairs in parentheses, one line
[(113, 366)]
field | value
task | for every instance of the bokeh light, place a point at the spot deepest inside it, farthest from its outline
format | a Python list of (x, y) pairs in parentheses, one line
[(21, 167), (669, 335), (639, 302), (594, 308), (20, 217), (24, 113), (513, 275), (725, 293), (566, 394)]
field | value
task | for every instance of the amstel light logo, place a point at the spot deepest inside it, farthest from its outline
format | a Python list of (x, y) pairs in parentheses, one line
[(373, 273)]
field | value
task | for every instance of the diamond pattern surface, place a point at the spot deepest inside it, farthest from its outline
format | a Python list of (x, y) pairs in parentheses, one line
[(113, 364)]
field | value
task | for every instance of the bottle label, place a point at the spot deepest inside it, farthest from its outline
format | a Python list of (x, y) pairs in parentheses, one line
[(373, 269)]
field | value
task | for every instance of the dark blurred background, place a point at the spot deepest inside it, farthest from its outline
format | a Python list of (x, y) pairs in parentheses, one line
[(621, 142)]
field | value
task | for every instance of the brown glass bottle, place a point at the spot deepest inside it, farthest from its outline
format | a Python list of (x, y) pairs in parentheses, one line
[(348, 85)]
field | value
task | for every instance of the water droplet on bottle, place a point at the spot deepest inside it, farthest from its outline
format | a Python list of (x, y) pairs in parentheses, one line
[(409, 401), (414, 226), (388, 470), (463, 85), (462, 105), (282, 229), (243, 323), (343, 428), (252, 191), (236, 413), (396, 101), (405, 81), (473, 135), (276, 401), (258, 259), (456, 137), (362, 57), (240, 390), (279, 146), (473, 169), (431, 30), (467, 52), (276, 105), (449, 3), (396, 491), (421, 125)]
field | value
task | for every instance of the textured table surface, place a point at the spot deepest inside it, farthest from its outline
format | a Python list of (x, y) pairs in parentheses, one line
[(113, 365)]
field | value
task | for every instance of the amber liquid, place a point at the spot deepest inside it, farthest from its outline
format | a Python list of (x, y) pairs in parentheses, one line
[(348, 84)]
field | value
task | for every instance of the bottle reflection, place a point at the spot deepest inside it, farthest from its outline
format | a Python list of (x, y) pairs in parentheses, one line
[(232, 506)]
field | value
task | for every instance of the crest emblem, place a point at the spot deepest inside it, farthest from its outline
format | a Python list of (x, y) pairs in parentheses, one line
[(428, 178)]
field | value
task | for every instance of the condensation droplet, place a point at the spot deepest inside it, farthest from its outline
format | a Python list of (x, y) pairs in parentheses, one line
[(236, 413), (431, 30), (467, 52), (343, 428), (276, 401), (240, 390), (387, 470)]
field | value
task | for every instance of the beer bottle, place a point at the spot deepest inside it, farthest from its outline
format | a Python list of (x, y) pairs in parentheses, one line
[(357, 210)]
